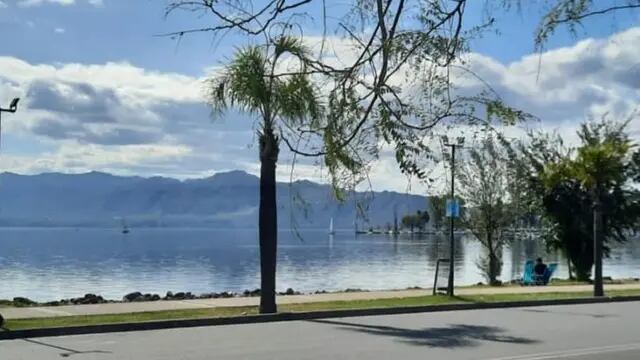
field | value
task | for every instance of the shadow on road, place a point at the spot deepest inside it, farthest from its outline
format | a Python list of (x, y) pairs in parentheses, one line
[(67, 352), (595, 316), (445, 337)]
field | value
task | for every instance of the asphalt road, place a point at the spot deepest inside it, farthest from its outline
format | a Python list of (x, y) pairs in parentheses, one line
[(580, 332)]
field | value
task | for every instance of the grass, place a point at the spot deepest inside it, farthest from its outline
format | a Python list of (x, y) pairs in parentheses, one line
[(34, 323)]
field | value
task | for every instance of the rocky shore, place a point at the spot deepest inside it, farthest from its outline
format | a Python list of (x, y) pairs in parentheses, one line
[(139, 296)]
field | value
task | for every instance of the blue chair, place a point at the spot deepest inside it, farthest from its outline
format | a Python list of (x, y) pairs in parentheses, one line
[(544, 279), (548, 273), (527, 275)]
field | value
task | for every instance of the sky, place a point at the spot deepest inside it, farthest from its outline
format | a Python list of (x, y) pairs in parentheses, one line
[(102, 91)]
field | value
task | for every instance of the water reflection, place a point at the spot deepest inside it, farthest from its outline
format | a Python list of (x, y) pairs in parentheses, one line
[(46, 264)]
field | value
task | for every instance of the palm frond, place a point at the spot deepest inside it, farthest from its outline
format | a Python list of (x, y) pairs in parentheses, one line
[(242, 84)]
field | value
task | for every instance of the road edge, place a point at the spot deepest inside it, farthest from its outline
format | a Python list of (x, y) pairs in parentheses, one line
[(313, 315)]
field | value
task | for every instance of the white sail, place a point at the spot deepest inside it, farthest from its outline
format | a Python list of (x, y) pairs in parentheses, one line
[(331, 226)]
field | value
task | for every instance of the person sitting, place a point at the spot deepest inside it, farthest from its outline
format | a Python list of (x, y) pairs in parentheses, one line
[(538, 271)]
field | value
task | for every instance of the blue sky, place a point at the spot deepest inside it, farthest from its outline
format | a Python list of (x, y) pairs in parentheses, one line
[(61, 56), (123, 30)]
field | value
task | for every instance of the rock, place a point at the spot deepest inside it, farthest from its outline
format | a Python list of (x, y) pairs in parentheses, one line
[(289, 292), (148, 297), (89, 299), (22, 301), (249, 293), (208, 296), (134, 296), (225, 294)]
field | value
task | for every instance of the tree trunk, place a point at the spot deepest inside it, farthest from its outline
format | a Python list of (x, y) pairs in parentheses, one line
[(494, 268), (598, 289), (566, 254), (268, 221)]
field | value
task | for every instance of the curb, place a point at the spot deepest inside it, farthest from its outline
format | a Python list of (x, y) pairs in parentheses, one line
[(254, 319)]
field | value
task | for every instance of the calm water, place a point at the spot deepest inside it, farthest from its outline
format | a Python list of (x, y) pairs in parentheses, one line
[(48, 264)]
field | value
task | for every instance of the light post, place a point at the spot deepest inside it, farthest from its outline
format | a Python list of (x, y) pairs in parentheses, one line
[(452, 210), (13, 107)]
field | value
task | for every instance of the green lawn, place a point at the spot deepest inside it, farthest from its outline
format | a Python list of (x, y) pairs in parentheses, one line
[(333, 305)]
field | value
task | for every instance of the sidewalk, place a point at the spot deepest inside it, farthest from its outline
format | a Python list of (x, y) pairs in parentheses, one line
[(118, 308)]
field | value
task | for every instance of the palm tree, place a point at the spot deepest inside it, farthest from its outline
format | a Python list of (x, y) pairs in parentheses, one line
[(251, 83)]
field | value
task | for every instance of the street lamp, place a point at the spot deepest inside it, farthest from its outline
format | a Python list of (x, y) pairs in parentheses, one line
[(458, 144), (13, 107)]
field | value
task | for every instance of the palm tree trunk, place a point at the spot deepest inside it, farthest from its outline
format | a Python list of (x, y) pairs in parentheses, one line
[(268, 221)]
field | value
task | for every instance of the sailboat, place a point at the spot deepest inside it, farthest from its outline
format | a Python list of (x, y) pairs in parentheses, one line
[(125, 228), (331, 231)]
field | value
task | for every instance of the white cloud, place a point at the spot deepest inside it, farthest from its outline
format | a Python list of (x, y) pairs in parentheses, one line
[(59, 30), (124, 119), (30, 3), (588, 79), (134, 84), (3, 5)]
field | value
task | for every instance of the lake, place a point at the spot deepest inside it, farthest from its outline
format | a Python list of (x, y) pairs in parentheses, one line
[(50, 264)]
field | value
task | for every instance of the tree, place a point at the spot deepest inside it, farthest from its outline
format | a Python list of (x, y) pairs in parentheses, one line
[(438, 204), (568, 181), (418, 220), (422, 219), (387, 87), (392, 88), (484, 183), (250, 83), (571, 13), (409, 221)]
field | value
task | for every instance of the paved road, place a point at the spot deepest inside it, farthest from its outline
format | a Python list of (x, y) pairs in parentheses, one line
[(582, 332), (115, 308)]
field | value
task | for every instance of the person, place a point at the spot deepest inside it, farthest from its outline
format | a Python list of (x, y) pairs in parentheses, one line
[(539, 270)]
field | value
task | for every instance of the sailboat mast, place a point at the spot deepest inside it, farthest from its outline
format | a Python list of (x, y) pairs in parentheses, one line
[(395, 219)]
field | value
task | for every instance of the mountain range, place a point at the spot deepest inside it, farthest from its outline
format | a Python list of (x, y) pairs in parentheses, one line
[(228, 199)]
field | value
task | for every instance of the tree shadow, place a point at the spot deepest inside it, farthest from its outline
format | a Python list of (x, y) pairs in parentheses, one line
[(595, 316), (456, 335), (67, 351)]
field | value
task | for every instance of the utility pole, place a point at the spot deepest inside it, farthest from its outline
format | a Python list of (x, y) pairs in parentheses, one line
[(598, 289), (452, 250)]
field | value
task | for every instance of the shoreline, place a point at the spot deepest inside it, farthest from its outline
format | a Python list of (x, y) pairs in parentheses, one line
[(139, 297)]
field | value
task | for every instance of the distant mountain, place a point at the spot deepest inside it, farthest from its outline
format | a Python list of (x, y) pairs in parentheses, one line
[(223, 200)]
